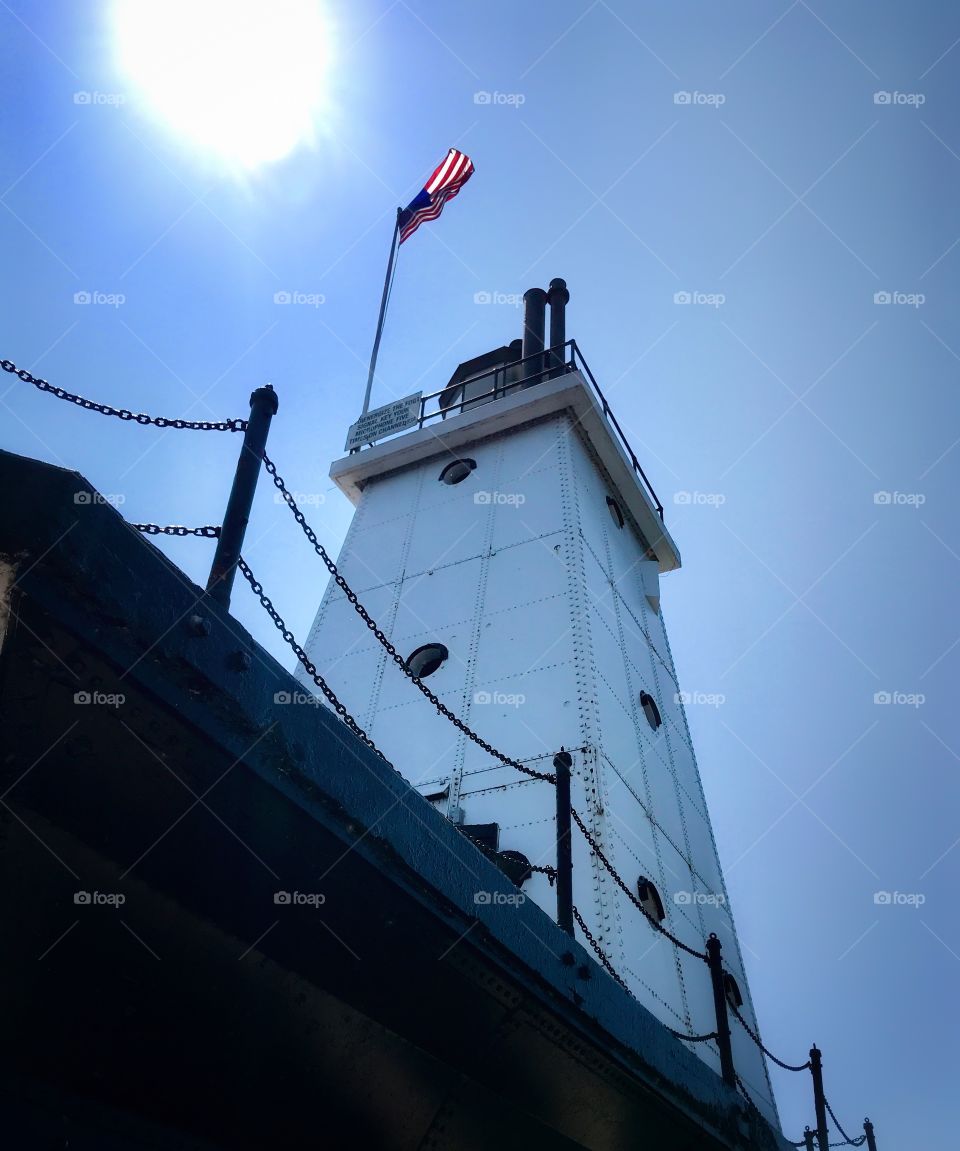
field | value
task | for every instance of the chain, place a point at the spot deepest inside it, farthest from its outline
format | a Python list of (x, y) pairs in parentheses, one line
[(208, 531), (595, 847), (302, 657), (611, 971), (746, 1094), (123, 413), (847, 1141), (547, 870), (382, 639), (756, 1038)]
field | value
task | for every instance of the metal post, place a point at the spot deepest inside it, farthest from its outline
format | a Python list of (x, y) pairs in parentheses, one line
[(263, 407), (808, 1139), (868, 1131), (819, 1102), (715, 964), (563, 762), (383, 311)]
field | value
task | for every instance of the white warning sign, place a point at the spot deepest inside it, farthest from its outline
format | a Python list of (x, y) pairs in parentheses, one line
[(385, 421)]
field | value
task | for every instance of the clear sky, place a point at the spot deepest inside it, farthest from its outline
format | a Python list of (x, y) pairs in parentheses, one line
[(782, 194)]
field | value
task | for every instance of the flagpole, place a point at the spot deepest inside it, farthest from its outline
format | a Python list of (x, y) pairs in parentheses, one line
[(383, 309)]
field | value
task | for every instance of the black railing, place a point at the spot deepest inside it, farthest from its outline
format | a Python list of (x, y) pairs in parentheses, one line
[(527, 373)]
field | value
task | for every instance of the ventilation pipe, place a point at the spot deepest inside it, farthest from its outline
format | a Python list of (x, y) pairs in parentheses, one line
[(534, 317), (558, 297)]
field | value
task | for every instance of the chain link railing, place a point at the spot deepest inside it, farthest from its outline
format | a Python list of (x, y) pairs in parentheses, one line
[(769, 1054), (308, 666), (847, 1141), (209, 531), (122, 413)]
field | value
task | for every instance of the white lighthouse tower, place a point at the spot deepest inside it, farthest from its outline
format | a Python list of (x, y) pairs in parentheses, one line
[(511, 548)]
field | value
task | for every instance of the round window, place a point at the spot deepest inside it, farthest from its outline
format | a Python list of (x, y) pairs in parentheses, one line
[(425, 660), (650, 710), (457, 471), (615, 513)]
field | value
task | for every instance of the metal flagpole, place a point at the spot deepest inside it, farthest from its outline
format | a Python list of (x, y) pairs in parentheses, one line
[(383, 309)]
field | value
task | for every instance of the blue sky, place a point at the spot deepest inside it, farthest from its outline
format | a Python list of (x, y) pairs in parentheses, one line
[(783, 196)]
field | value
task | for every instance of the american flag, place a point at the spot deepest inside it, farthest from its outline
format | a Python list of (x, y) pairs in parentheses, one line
[(443, 185)]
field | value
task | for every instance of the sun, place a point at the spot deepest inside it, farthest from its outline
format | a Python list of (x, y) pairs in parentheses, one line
[(243, 80)]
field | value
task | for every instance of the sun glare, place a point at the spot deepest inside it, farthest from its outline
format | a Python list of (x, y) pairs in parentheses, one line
[(241, 79)]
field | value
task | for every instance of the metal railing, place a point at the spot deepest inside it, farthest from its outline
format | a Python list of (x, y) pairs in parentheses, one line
[(526, 373)]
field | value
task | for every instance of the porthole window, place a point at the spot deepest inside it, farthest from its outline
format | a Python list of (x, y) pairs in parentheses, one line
[(731, 990), (457, 471), (615, 513), (425, 660), (650, 709), (650, 900)]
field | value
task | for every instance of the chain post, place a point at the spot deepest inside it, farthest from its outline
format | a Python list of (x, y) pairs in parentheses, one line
[(819, 1101), (868, 1131), (808, 1139), (263, 407), (562, 764), (715, 963)]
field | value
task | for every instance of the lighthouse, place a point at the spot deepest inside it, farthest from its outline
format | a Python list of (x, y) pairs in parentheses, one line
[(508, 543)]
